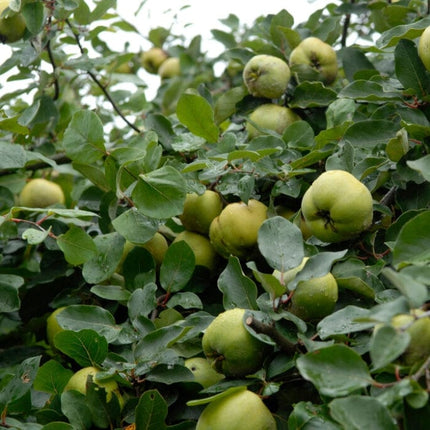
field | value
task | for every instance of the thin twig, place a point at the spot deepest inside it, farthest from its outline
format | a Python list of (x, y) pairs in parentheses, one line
[(100, 85)]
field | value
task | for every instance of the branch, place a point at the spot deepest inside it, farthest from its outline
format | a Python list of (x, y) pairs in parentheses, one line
[(346, 27), (100, 85), (271, 331)]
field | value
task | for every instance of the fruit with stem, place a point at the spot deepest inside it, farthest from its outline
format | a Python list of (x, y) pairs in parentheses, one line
[(230, 348), (312, 56), (337, 206), (266, 76)]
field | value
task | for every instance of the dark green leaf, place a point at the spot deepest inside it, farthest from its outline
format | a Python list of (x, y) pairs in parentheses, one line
[(12, 156), (197, 115), (238, 290), (108, 255), (281, 243), (77, 246), (386, 345), (421, 165), (52, 377), (74, 407), (358, 412), (20, 382), (79, 317), (86, 347), (410, 69), (83, 138), (312, 94), (336, 370), (160, 194), (412, 244), (177, 266), (151, 411), (135, 226)]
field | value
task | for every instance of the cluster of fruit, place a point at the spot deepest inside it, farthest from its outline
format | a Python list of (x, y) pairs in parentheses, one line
[(156, 61)]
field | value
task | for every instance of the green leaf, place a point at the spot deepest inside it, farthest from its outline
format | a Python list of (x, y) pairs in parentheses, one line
[(104, 263), (343, 321), (86, 347), (111, 292), (79, 317), (77, 246), (195, 112), (316, 266), (370, 133), (34, 16), (52, 377), (20, 382), (411, 31), (238, 290), (269, 282), (306, 415), (177, 266), (35, 236), (387, 344), (421, 165), (410, 69), (168, 374), (151, 411), (336, 370), (362, 412), (156, 342), (412, 244), (225, 106), (312, 94), (135, 227), (281, 243), (9, 295), (142, 301), (398, 146), (370, 91), (84, 139), (415, 291), (12, 156), (160, 194), (217, 396), (74, 407)]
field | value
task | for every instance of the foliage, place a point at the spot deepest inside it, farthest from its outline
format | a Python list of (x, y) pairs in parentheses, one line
[(126, 164)]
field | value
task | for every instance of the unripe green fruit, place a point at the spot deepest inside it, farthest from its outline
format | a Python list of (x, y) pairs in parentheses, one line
[(170, 68), (337, 206), (12, 26), (41, 193), (317, 55), (203, 372), (266, 76), (240, 410), (235, 230), (419, 330), (52, 326), (152, 59), (200, 210), (230, 348), (424, 47), (272, 117), (204, 253), (315, 298), (78, 382)]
